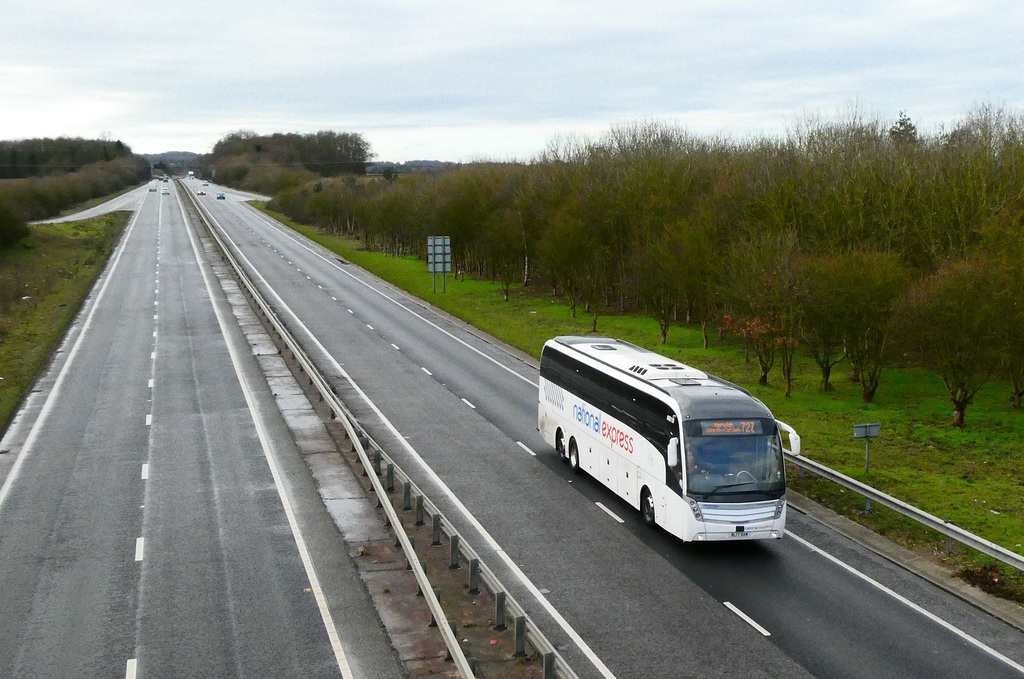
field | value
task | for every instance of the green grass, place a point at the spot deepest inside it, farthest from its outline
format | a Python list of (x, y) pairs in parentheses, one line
[(44, 280), (973, 477)]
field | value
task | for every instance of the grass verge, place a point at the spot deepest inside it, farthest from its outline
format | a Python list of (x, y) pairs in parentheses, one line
[(44, 279), (973, 477)]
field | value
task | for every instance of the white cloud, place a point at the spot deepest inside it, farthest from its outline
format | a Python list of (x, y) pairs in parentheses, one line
[(493, 79)]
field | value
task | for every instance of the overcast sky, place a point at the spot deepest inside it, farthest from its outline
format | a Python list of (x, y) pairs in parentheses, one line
[(492, 79)]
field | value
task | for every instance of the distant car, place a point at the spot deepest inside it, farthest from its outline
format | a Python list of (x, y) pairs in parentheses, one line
[(206, 183), (220, 196), (201, 192), (166, 192)]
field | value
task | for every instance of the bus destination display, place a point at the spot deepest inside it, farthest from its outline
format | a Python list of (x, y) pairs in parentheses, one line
[(731, 427)]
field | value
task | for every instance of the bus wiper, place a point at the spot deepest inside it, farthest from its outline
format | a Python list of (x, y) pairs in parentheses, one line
[(728, 485)]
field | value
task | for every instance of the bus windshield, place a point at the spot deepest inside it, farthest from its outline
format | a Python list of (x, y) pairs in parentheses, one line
[(725, 457)]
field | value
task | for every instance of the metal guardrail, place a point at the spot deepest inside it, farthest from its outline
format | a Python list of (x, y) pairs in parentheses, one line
[(553, 661), (951, 531)]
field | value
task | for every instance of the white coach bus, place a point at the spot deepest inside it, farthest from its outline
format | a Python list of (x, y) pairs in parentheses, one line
[(695, 454)]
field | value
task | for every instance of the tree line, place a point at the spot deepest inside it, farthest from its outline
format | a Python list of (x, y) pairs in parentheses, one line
[(275, 162), (40, 157), (851, 240), (63, 173)]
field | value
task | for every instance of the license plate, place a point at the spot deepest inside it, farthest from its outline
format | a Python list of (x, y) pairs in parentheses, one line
[(741, 534)]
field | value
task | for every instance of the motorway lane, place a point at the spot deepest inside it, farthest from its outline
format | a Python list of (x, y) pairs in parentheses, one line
[(827, 619), (141, 530), (219, 549), (68, 526)]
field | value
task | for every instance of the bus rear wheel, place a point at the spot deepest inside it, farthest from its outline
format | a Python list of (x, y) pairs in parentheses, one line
[(560, 446), (574, 457), (647, 507)]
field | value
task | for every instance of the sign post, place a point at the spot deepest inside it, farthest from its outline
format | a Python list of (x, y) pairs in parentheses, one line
[(867, 432), (439, 259)]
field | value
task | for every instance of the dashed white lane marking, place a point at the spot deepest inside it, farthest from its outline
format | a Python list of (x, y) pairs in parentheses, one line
[(469, 404), (427, 371), (145, 471), (131, 667), (395, 346), (334, 298), (140, 547), (746, 618), (369, 326), (524, 447), (610, 512), (149, 419), (150, 383)]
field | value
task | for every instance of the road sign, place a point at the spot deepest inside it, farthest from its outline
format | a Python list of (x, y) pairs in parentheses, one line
[(439, 254), (866, 431), (439, 258)]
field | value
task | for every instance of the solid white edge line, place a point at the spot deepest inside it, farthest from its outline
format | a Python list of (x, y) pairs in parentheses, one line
[(48, 405), (747, 619), (523, 446), (280, 229), (130, 668), (442, 486), (610, 512), (140, 548), (300, 543), (907, 602)]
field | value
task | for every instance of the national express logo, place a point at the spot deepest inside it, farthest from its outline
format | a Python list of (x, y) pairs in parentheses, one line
[(595, 422)]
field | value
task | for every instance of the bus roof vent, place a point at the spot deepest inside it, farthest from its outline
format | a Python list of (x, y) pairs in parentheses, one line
[(668, 366), (604, 347), (638, 369)]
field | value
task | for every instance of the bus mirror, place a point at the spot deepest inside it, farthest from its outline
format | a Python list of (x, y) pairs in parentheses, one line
[(673, 453), (794, 438)]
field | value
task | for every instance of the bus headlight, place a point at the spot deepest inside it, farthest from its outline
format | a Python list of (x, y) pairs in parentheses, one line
[(695, 507), (779, 507)]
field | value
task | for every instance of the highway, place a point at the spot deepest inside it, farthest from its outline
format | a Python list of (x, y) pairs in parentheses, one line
[(155, 519), (457, 411)]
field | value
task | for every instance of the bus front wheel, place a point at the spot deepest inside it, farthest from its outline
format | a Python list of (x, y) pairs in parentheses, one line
[(574, 457), (647, 507), (560, 446)]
